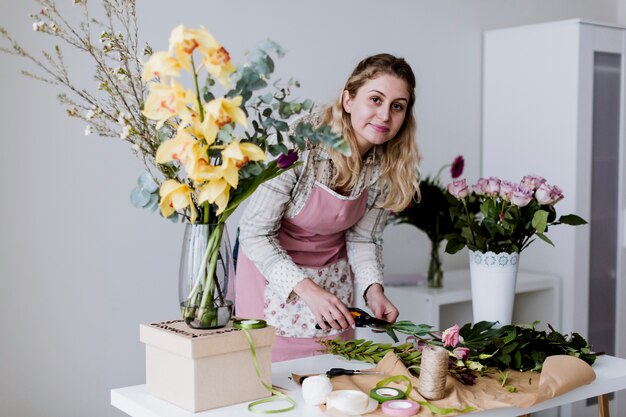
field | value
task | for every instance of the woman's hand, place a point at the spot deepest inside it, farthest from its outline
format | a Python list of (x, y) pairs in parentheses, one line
[(327, 308), (380, 305)]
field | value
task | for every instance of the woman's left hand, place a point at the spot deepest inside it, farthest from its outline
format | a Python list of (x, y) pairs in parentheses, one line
[(380, 305)]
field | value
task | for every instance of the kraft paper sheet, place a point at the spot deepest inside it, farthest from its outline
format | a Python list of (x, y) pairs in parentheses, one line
[(560, 374)]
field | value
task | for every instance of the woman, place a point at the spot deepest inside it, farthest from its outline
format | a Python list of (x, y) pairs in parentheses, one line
[(308, 234)]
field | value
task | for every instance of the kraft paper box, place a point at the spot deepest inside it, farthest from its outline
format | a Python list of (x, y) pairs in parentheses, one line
[(203, 369)]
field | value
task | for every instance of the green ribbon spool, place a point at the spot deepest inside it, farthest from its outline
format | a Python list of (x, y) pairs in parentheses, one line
[(397, 378), (245, 325), (249, 324), (383, 394)]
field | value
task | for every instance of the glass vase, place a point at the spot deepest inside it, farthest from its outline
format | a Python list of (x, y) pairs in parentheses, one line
[(206, 277), (435, 266)]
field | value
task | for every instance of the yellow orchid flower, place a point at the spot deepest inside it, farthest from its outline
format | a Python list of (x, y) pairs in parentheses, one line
[(220, 112), (161, 65), (242, 152), (183, 42), (176, 196), (189, 152), (217, 63), (178, 148), (216, 191), (165, 101)]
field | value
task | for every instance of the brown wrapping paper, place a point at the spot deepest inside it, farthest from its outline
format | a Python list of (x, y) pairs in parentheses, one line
[(560, 374)]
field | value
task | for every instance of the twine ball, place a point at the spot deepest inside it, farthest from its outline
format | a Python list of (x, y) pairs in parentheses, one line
[(315, 389)]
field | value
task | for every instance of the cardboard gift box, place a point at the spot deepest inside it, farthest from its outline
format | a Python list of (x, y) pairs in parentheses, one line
[(203, 369)]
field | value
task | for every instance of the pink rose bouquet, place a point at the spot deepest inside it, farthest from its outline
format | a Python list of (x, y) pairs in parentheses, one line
[(502, 216)]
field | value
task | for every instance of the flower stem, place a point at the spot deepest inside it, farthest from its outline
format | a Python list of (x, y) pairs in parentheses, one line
[(212, 251), (469, 222), (198, 97)]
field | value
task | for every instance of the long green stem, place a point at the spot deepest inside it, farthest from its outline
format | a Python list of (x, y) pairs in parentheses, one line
[(469, 222), (213, 252), (198, 97)]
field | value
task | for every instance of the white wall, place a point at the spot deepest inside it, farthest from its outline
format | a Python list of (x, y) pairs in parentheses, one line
[(80, 268)]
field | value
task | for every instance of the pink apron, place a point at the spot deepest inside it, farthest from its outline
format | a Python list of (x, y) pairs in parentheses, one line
[(314, 238)]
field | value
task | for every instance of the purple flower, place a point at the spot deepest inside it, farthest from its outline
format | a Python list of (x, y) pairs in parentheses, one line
[(493, 186), (480, 187), (547, 194), (556, 194), (450, 336), (521, 196), (532, 181), (506, 190), (285, 161), (458, 188), (456, 170)]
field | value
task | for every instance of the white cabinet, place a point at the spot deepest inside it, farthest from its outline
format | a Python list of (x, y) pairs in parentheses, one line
[(553, 98), (536, 298)]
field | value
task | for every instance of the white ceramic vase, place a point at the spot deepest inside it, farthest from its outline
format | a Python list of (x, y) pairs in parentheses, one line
[(493, 277)]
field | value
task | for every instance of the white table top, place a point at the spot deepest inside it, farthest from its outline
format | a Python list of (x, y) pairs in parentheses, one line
[(134, 401)]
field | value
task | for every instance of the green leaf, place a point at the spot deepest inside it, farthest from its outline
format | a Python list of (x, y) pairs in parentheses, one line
[(267, 99), (146, 182), (545, 238), (277, 149), (572, 220), (540, 220), (139, 198)]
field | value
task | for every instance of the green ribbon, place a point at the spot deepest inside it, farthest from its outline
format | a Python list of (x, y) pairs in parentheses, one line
[(433, 408), (383, 394), (397, 378), (245, 325)]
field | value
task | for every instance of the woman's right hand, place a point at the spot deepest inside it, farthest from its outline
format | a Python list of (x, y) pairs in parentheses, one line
[(327, 308)]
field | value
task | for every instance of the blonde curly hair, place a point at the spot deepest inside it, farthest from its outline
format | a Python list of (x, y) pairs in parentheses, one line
[(399, 157)]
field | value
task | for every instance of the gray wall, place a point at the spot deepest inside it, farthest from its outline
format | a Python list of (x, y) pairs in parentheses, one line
[(80, 268)]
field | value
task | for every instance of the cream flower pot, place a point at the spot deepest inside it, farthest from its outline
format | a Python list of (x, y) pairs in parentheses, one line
[(493, 277)]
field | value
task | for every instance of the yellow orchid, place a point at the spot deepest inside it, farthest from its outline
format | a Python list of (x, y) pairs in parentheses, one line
[(234, 157), (183, 42), (165, 101), (217, 63), (179, 148), (216, 191), (242, 152), (176, 196), (161, 65), (220, 112)]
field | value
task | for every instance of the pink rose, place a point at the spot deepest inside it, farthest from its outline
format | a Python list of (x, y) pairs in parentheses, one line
[(461, 352), (521, 196), (450, 336), (458, 188), (480, 187), (532, 181), (506, 190), (556, 194), (493, 186), (548, 194), (543, 194)]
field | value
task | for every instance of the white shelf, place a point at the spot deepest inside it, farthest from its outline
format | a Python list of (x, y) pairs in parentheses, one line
[(537, 298)]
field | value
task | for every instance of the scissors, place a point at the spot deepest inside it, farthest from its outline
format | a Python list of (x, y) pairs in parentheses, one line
[(362, 319), (340, 371)]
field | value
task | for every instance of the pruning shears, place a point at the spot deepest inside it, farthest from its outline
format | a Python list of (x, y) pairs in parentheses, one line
[(363, 319)]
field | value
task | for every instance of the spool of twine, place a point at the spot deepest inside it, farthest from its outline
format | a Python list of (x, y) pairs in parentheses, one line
[(434, 369)]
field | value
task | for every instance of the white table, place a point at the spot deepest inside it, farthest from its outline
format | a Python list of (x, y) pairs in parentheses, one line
[(134, 401)]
